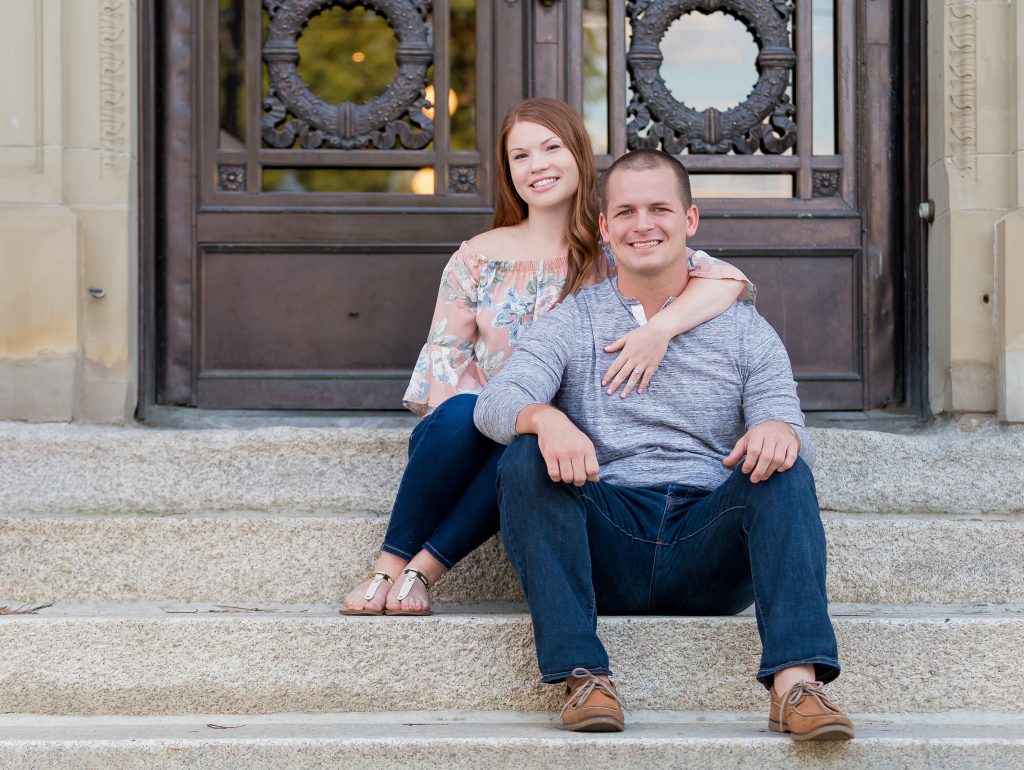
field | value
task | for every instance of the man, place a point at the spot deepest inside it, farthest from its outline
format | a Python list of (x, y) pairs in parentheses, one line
[(628, 506)]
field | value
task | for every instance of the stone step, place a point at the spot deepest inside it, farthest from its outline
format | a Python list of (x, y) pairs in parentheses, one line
[(181, 659), (526, 741), (60, 469), (246, 557)]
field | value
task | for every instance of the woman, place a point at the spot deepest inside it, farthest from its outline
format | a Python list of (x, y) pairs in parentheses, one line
[(543, 247)]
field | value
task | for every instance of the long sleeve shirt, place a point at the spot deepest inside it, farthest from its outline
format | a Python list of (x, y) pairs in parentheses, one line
[(485, 305), (716, 382)]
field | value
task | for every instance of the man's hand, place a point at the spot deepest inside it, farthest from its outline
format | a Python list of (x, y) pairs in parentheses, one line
[(569, 454), (769, 447)]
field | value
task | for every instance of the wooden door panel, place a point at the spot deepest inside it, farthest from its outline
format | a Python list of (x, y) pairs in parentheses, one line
[(268, 311)]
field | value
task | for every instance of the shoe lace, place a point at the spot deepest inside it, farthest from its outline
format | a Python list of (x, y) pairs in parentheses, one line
[(814, 689), (584, 690)]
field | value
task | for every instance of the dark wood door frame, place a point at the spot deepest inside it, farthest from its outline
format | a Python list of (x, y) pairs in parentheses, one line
[(909, 175)]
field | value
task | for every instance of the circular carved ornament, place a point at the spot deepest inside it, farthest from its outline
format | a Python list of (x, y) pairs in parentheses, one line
[(675, 126), (394, 116)]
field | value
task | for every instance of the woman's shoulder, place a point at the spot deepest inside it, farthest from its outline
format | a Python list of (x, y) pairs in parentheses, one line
[(500, 244)]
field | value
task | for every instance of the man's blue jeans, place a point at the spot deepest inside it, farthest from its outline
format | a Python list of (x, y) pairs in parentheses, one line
[(446, 502), (668, 550)]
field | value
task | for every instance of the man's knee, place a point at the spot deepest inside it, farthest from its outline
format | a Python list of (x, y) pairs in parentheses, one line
[(521, 462), (792, 491)]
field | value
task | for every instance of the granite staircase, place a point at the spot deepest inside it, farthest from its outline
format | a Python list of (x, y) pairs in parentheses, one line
[(172, 601)]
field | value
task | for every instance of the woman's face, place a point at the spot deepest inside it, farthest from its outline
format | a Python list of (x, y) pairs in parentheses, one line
[(544, 171)]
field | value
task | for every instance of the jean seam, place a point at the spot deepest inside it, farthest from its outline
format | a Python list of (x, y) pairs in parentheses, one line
[(583, 499), (625, 532), (388, 548), (657, 550), (709, 523), (753, 584), (438, 555)]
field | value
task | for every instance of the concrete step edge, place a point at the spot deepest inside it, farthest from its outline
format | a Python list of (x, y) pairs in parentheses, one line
[(491, 611), (922, 659), (501, 739), (132, 469), (244, 558)]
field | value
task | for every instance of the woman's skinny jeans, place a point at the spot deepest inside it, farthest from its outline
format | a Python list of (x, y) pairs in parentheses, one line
[(447, 503)]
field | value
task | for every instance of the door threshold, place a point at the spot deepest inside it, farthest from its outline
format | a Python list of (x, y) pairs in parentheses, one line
[(187, 418)]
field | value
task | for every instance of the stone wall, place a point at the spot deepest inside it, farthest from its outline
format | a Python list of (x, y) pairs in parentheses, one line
[(67, 211), (976, 334), (68, 214)]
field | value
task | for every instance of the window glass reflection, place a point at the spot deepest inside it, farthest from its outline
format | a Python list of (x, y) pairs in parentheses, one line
[(823, 35), (462, 99), (347, 55), (595, 72), (333, 180), (741, 185), (232, 74), (709, 60)]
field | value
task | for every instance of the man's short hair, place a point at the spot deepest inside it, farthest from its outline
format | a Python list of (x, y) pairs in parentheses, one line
[(641, 160)]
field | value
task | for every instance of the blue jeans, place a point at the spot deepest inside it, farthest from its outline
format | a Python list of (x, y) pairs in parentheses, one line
[(446, 502), (668, 550)]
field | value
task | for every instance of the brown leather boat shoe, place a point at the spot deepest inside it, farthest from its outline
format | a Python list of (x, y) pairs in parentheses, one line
[(591, 704), (807, 714)]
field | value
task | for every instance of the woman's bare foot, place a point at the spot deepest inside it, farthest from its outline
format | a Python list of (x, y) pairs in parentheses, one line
[(356, 599), (418, 599)]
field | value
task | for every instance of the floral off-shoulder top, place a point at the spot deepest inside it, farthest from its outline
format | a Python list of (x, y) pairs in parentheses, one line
[(485, 305)]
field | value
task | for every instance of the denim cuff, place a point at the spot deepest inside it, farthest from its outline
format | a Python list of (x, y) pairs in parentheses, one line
[(561, 676), (438, 555), (826, 669), (396, 552)]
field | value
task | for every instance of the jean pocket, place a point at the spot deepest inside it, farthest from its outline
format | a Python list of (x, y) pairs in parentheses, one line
[(635, 512)]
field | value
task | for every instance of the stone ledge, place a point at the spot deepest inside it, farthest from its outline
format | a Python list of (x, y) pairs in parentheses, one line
[(474, 740), (127, 660), (57, 469), (261, 558)]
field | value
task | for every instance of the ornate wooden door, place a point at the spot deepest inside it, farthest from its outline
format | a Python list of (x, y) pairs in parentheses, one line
[(306, 187), (784, 113), (308, 192)]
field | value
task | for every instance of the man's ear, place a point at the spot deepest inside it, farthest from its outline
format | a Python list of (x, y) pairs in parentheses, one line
[(602, 225), (692, 220)]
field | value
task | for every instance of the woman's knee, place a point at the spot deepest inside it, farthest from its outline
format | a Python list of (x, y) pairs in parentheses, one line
[(455, 417), (457, 408)]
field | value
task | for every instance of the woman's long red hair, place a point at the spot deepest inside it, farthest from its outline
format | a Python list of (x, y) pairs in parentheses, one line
[(510, 209)]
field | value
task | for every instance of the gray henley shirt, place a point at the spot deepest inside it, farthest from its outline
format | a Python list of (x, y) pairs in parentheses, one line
[(716, 381)]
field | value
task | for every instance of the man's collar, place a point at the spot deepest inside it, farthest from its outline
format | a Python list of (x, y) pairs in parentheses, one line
[(627, 301)]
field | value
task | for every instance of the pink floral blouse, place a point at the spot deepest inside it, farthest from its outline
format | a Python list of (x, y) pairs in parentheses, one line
[(485, 305)]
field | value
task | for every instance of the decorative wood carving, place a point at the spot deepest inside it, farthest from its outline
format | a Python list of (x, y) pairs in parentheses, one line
[(462, 180), (113, 76), (675, 127), (826, 184), (231, 178), (963, 89), (394, 117)]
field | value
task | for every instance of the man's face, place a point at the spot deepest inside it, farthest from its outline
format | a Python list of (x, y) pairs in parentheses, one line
[(645, 222)]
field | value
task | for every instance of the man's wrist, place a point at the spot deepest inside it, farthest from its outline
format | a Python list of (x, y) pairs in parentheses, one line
[(532, 418)]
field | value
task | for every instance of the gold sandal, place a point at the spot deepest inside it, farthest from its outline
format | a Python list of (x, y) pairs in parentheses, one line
[(411, 576), (376, 579)]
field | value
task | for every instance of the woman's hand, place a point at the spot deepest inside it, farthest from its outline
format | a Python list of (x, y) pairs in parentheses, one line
[(641, 353)]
